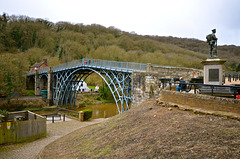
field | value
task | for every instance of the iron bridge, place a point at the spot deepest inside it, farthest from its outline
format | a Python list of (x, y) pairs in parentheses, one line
[(66, 77)]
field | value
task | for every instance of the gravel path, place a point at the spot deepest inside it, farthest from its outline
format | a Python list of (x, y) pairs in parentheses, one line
[(30, 150)]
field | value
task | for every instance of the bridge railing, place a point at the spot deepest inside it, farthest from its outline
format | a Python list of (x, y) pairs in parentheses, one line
[(95, 63), (115, 64), (44, 70), (101, 63), (67, 65)]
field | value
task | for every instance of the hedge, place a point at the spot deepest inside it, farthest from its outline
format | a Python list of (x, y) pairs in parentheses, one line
[(87, 114)]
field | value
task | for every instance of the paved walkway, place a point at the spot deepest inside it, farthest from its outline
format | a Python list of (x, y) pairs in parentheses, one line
[(55, 130)]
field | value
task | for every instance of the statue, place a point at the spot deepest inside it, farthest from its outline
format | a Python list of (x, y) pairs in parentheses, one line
[(212, 41)]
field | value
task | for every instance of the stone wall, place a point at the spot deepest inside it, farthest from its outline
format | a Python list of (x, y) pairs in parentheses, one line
[(206, 102), (171, 72), (145, 86)]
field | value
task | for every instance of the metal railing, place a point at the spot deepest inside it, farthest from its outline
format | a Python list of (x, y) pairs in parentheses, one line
[(116, 64), (210, 89), (69, 112), (125, 66), (57, 110)]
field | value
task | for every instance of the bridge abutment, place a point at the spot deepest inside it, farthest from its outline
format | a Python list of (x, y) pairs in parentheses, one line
[(145, 86)]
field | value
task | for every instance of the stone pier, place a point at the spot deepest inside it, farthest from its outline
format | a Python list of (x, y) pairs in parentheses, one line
[(50, 87), (37, 84)]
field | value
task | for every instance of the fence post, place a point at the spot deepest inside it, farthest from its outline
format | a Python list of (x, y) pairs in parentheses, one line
[(194, 89), (52, 119), (212, 89), (235, 93), (104, 114), (81, 114)]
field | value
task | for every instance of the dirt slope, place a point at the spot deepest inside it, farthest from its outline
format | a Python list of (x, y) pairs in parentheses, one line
[(152, 131)]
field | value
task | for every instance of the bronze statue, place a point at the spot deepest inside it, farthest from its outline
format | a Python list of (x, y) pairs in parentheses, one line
[(212, 41)]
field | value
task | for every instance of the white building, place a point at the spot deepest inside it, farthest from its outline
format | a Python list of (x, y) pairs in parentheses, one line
[(81, 86)]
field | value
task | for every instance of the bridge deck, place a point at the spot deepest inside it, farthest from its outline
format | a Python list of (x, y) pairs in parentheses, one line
[(96, 63)]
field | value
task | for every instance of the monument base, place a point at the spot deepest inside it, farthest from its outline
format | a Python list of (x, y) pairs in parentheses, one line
[(213, 73)]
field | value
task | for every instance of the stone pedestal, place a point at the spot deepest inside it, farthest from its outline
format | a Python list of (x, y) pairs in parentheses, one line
[(212, 71)]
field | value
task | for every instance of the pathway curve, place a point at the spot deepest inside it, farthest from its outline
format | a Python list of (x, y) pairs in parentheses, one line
[(30, 150)]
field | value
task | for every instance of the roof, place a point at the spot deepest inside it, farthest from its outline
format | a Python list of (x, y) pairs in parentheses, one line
[(37, 64)]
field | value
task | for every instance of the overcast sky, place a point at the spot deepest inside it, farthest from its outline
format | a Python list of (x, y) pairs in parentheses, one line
[(178, 18)]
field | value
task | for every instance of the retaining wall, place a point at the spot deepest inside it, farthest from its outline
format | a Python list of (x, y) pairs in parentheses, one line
[(202, 101)]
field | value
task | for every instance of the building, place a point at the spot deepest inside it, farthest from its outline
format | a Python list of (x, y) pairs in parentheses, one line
[(81, 87), (40, 65)]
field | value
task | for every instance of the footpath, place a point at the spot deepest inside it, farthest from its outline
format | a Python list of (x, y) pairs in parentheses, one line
[(30, 150)]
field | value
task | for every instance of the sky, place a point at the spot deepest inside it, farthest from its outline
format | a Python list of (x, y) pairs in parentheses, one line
[(177, 18)]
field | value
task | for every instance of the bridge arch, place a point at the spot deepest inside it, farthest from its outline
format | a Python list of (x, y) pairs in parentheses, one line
[(118, 82), (30, 84), (43, 79)]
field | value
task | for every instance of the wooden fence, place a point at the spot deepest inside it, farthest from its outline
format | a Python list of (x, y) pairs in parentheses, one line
[(33, 127)]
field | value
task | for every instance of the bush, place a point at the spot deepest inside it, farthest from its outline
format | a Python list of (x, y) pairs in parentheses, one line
[(4, 113), (81, 105), (18, 105), (105, 93), (29, 92), (87, 114), (88, 102)]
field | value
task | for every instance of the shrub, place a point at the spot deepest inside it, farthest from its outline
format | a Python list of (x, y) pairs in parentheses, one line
[(87, 114), (18, 105), (30, 92), (88, 102), (81, 105), (4, 113)]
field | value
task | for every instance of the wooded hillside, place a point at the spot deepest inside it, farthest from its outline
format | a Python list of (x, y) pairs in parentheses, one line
[(25, 40)]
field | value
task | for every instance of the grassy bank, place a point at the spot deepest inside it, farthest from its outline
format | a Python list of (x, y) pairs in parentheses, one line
[(152, 131)]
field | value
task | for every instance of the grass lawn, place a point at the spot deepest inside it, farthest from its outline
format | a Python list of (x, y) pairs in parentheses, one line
[(91, 87)]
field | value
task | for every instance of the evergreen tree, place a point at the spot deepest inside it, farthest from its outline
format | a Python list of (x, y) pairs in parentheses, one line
[(238, 68), (9, 87)]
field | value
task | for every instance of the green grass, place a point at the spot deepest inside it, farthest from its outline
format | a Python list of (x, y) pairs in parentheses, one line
[(91, 87), (30, 92)]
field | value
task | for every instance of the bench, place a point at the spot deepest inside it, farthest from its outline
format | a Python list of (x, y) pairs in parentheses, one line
[(216, 90)]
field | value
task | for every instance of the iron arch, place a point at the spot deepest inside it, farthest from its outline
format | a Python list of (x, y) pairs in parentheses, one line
[(119, 84)]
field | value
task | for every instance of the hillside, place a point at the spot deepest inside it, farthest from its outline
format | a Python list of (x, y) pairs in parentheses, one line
[(25, 40), (152, 131)]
